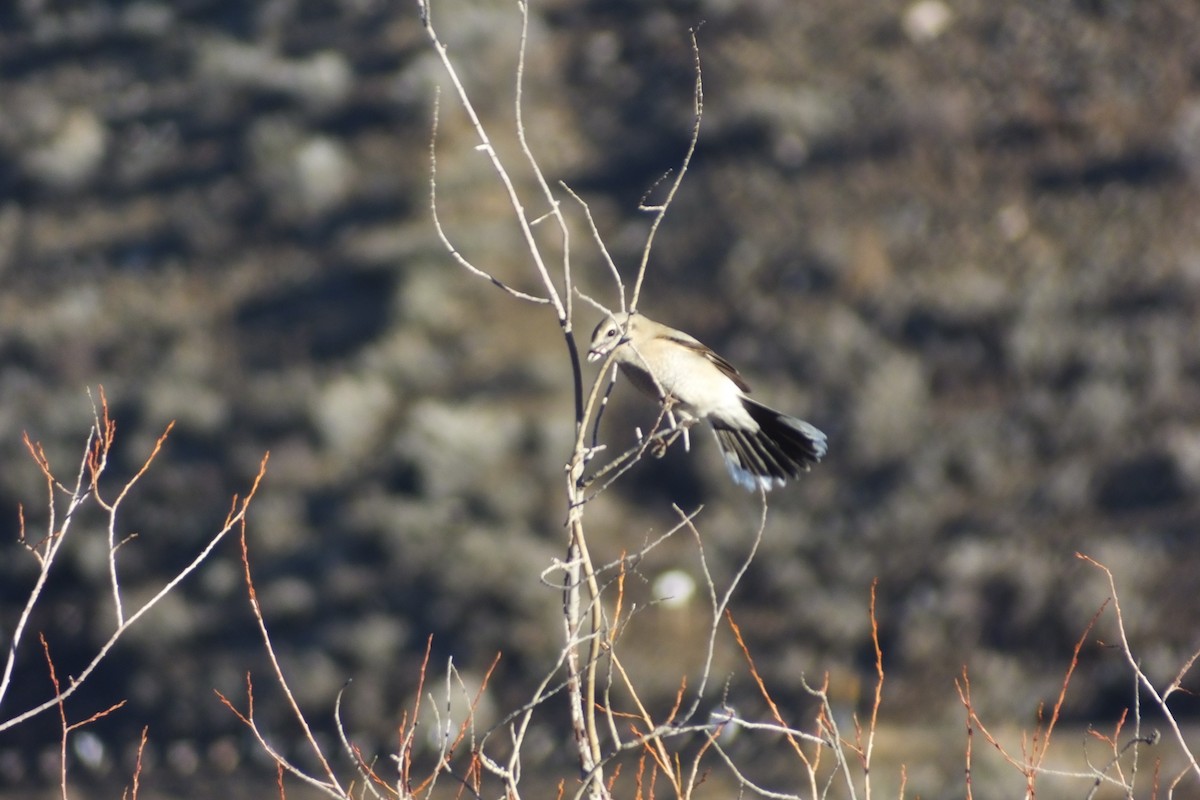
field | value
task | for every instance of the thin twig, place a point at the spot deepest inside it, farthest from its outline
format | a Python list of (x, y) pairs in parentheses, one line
[(877, 701), (720, 607), (1143, 679), (755, 787), (565, 315), (792, 739), (368, 775), (332, 782), (601, 246), (282, 764), (104, 423), (660, 210), (462, 260), (514, 198)]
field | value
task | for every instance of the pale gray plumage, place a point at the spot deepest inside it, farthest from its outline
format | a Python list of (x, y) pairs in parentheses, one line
[(763, 448)]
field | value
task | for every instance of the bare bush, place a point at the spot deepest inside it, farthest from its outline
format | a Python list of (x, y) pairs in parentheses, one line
[(623, 747), (1121, 769), (64, 501)]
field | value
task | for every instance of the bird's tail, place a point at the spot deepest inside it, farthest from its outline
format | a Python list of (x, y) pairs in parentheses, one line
[(781, 449)]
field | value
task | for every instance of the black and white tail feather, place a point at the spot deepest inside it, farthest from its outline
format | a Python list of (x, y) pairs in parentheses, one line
[(780, 450)]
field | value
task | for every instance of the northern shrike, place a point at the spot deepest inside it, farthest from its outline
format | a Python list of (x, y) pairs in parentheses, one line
[(762, 447)]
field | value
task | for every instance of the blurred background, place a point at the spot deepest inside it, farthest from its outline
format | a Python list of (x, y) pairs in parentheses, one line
[(961, 237)]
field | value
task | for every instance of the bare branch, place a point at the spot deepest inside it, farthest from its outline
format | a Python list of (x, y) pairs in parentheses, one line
[(719, 609), (51, 547), (602, 247), (660, 210), (514, 198), (45, 552), (1143, 679), (462, 260), (67, 727), (331, 783)]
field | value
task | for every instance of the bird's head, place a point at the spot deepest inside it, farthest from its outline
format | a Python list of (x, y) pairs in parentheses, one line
[(610, 334)]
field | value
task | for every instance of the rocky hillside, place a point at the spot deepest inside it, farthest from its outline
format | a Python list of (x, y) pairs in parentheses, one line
[(961, 238)]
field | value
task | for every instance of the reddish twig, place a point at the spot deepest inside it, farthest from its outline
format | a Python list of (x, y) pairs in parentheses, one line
[(137, 767), (67, 727)]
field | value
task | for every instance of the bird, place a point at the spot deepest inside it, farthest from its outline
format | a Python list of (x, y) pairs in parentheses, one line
[(763, 448)]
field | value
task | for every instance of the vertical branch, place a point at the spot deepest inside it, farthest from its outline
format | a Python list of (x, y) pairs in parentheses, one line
[(66, 727), (62, 719), (114, 544), (828, 723), (583, 613), (581, 673), (878, 698), (137, 767), (564, 310), (964, 694), (578, 557), (106, 430), (565, 315)]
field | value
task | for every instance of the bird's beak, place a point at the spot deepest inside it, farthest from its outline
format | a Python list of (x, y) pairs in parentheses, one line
[(595, 355)]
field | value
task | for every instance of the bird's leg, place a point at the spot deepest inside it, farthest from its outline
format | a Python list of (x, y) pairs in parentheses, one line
[(678, 427), (665, 437)]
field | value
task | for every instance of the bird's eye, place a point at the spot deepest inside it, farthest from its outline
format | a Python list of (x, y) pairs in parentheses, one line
[(611, 332)]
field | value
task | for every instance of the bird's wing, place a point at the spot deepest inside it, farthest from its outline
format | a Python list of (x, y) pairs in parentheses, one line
[(727, 369)]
